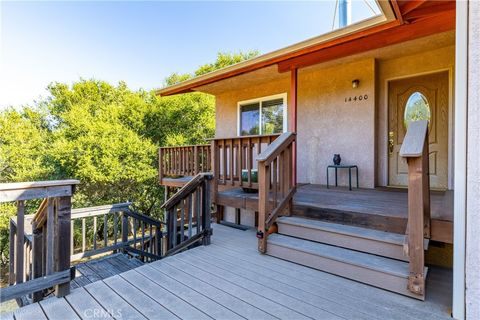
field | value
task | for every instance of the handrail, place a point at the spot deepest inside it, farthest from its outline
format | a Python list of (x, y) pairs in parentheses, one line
[(276, 185), (19, 191), (414, 141), (35, 253), (188, 214), (132, 231), (184, 191), (415, 150), (276, 147), (234, 160), (183, 160)]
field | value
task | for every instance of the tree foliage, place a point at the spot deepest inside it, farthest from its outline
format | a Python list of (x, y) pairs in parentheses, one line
[(104, 135)]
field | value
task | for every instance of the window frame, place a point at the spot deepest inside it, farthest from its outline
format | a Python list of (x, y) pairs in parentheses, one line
[(260, 100)]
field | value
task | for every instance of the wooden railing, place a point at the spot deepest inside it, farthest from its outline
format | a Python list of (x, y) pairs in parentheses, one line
[(43, 261), (114, 228), (184, 160), (415, 150), (189, 214), (276, 185), (231, 156)]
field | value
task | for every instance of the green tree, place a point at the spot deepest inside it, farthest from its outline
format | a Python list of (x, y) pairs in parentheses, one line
[(104, 135)]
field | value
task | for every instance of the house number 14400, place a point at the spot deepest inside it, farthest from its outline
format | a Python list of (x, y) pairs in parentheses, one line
[(357, 98)]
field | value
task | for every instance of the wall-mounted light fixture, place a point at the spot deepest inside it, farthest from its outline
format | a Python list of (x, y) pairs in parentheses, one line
[(355, 83)]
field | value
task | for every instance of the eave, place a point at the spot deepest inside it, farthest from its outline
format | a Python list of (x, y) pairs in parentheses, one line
[(402, 21)]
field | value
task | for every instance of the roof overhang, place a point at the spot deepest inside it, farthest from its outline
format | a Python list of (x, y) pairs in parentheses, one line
[(399, 21)]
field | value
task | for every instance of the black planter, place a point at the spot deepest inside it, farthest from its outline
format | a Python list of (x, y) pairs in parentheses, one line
[(337, 159)]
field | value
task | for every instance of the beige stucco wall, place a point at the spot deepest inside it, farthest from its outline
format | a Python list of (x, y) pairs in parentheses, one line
[(328, 125), (417, 64), (473, 167)]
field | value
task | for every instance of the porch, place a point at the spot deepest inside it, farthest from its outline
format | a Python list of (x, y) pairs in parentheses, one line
[(230, 279), (384, 209)]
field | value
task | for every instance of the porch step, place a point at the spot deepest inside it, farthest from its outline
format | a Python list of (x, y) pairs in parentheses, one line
[(371, 269), (386, 244)]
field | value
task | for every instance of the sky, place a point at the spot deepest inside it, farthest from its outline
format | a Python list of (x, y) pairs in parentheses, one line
[(141, 43)]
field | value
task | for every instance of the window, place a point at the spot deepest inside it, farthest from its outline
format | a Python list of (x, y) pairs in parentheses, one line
[(263, 116), (416, 108)]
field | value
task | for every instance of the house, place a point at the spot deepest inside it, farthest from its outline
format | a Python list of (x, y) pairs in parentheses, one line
[(362, 92)]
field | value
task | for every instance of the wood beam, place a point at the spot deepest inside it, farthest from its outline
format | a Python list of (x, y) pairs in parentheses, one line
[(411, 5), (440, 23), (430, 10), (397, 11), (293, 117)]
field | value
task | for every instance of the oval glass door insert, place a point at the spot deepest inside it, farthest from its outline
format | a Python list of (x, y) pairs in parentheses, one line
[(417, 108)]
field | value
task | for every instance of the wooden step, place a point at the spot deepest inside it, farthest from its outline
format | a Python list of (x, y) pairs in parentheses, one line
[(386, 244), (374, 270)]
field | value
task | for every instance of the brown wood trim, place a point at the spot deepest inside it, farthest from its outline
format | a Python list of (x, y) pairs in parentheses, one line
[(400, 33)]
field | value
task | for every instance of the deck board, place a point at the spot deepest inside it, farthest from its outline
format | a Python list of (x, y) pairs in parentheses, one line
[(143, 303), (174, 304), (58, 309), (221, 297), (196, 299), (111, 301), (86, 306), (229, 279)]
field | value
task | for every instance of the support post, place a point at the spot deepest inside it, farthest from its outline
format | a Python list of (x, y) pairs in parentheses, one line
[(264, 183), (20, 239), (37, 257), (50, 224), (196, 163), (160, 166), (293, 118), (124, 231), (206, 210), (220, 210), (11, 250), (416, 279), (215, 169), (63, 238)]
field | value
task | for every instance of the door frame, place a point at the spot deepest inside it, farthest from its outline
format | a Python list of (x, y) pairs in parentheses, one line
[(451, 119)]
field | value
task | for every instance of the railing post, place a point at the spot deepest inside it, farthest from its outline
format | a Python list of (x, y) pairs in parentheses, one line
[(416, 281), (37, 258), (124, 231), (196, 164), (50, 227), (160, 165), (11, 250), (63, 238), (206, 210), (216, 169), (263, 186), (20, 239), (415, 149)]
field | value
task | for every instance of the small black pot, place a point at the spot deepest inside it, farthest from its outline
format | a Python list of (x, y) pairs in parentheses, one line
[(337, 159)]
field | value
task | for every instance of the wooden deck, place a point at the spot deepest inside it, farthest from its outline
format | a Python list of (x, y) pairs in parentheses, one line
[(98, 269), (381, 208), (230, 280)]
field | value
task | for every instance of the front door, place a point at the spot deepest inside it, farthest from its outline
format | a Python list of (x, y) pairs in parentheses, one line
[(418, 98)]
